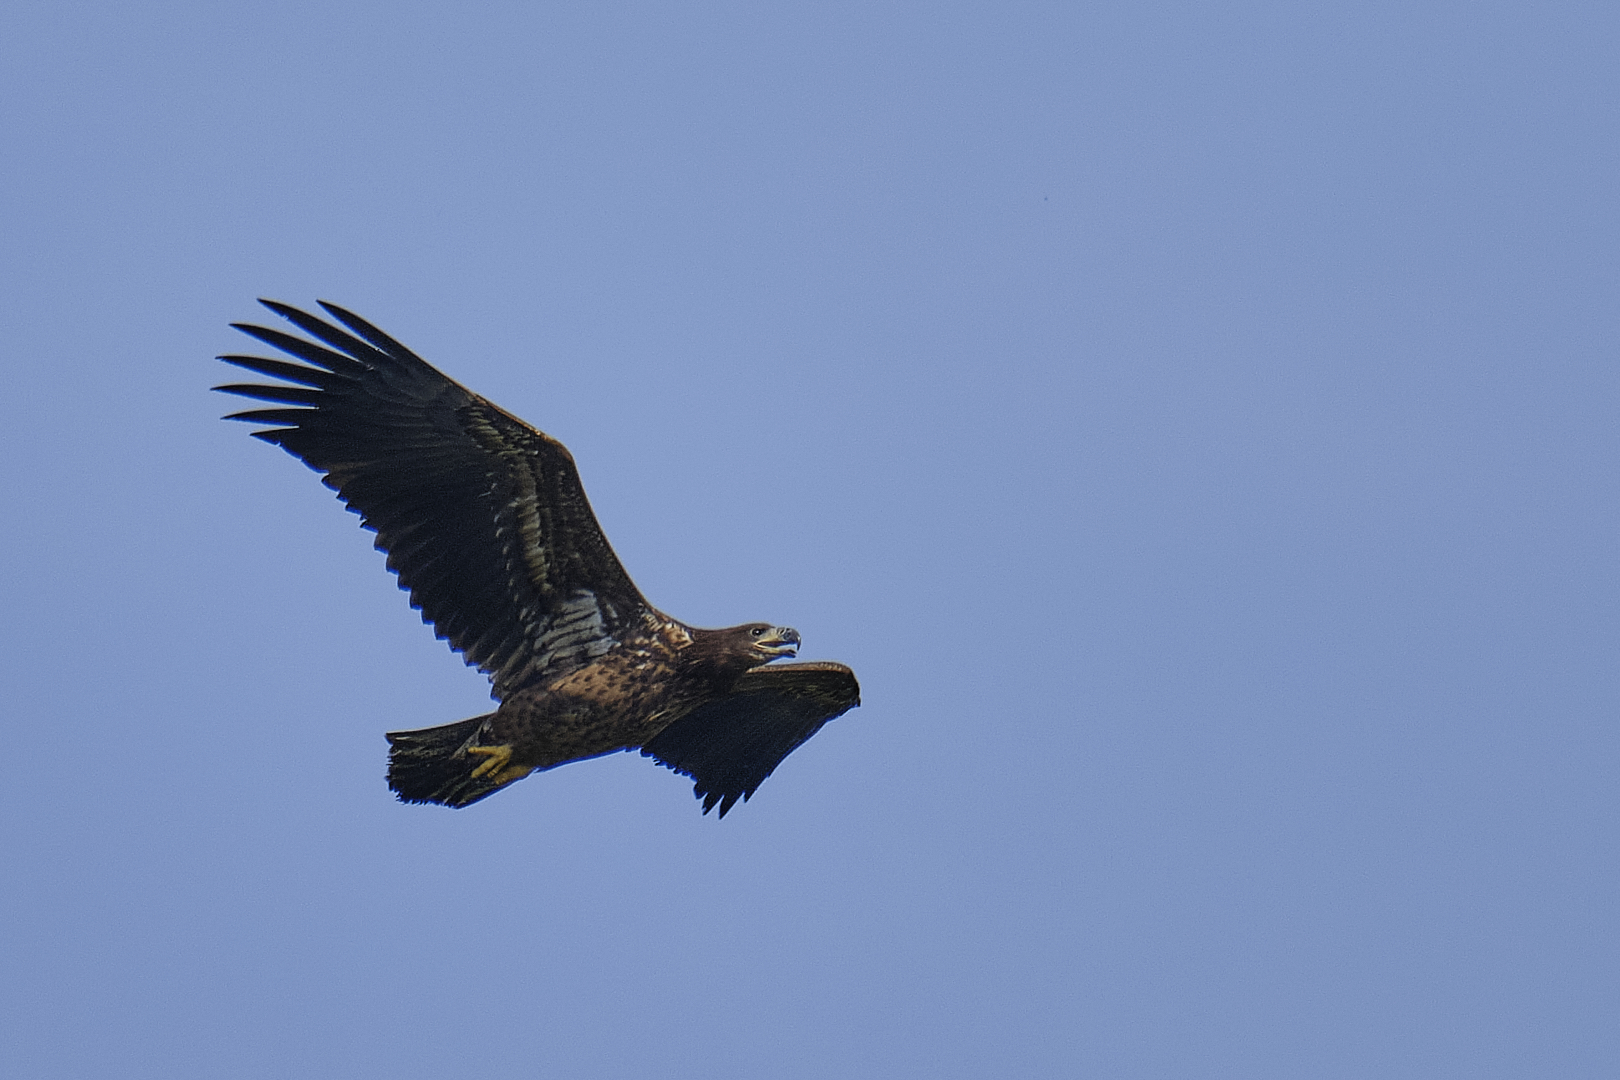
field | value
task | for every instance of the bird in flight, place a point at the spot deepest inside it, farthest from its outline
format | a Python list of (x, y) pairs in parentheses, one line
[(486, 523)]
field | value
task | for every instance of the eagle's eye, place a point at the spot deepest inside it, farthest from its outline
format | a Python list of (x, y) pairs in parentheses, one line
[(756, 631)]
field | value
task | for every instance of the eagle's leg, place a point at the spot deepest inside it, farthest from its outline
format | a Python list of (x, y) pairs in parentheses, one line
[(498, 767)]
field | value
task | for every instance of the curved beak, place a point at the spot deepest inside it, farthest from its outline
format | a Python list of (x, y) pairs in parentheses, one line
[(779, 641)]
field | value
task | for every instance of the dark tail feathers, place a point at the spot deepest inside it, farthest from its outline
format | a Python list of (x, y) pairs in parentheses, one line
[(431, 765)]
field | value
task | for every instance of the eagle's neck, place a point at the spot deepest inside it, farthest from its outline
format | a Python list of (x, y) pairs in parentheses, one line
[(716, 657)]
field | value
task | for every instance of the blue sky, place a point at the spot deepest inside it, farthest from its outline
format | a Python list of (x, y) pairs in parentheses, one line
[(1195, 423)]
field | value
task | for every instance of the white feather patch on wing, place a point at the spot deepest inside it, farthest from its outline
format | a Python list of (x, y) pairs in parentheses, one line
[(577, 633)]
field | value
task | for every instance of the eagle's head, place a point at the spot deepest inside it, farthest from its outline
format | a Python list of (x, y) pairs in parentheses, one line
[(730, 652), (766, 642)]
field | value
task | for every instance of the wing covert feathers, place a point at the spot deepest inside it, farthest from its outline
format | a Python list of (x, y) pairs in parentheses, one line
[(483, 517)]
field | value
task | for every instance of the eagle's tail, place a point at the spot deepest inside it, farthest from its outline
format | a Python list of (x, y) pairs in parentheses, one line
[(431, 765)]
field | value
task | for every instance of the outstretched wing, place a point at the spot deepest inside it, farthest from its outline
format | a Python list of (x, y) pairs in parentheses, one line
[(730, 746), (483, 517)]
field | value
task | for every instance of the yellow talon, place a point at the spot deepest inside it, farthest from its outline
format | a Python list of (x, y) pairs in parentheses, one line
[(498, 757), (499, 767)]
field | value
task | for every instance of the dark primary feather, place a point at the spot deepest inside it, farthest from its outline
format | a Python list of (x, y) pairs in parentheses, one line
[(730, 746), (483, 518)]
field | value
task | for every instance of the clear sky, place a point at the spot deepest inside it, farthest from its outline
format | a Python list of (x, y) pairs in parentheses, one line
[(1196, 424)]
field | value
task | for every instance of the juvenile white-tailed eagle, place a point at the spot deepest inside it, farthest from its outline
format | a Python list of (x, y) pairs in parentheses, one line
[(485, 522)]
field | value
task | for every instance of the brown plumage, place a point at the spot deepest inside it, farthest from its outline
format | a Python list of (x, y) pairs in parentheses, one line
[(486, 523)]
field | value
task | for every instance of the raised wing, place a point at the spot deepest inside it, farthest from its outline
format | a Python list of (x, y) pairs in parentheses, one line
[(483, 517), (730, 746)]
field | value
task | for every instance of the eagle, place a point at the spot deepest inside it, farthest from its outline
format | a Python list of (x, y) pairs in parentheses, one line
[(485, 522)]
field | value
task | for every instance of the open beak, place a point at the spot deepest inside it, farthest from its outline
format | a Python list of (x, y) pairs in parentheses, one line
[(779, 641)]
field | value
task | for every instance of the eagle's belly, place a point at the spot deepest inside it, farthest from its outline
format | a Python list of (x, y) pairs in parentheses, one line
[(616, 704)]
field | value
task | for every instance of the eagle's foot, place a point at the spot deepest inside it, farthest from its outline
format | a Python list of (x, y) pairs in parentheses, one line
[(498, 767)]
